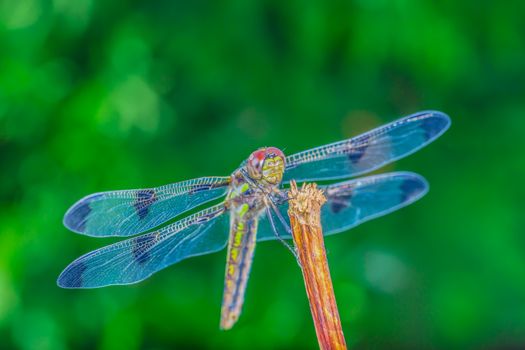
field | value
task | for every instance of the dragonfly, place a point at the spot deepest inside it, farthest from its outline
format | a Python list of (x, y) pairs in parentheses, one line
[(253, 209)]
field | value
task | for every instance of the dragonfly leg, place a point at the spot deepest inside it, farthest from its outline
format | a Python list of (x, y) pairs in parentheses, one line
[(281, 219), (274, 228)]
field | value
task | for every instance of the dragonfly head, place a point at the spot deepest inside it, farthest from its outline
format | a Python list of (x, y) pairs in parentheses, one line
[(266, 165)]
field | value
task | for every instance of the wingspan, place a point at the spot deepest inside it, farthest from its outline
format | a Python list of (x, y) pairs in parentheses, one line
[(353, 202), (128, 212), (137, 258), (368, 151)]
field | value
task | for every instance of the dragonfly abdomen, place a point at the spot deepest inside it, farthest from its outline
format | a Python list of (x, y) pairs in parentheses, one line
[(241, 248)]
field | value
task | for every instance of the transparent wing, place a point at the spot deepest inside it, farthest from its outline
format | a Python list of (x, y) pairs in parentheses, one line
[(368, 151), (128, 212), (353, 202), (137, 258)]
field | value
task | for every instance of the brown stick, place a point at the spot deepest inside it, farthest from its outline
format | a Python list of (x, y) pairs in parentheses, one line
[(305, 219)]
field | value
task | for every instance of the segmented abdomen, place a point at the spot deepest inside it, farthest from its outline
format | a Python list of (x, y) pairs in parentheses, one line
[(241, 247)]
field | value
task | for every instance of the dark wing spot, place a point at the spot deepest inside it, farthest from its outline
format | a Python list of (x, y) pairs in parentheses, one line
[(200, 188), (201, 220), (76, 218), (141, 247), (409, 189), (205, 187), (339, 203), (433, 126), (145, 198), (72, 275), (208, 217), (358, 150)]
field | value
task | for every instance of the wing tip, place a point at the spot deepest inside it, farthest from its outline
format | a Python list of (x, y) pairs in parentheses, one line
[(435, 123), (76, 216), (414, 187), (71, 277)]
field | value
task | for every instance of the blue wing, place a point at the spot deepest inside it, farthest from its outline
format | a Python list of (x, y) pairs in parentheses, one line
[(369, 151), (353, 202), (128, 212), (137, 258)]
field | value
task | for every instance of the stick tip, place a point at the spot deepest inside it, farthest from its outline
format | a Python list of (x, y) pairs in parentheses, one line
[(308, 197)]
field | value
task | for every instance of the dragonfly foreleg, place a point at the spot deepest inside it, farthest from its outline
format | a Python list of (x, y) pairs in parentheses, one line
[(279, 215), (276, 232)]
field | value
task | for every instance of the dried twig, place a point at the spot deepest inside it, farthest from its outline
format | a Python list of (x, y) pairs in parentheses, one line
[(304, 213)]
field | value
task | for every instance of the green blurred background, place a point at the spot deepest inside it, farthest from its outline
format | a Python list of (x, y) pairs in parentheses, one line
[(111, 95)]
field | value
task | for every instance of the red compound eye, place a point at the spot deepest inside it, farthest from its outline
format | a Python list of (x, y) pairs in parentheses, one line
[(255, 163), (257, 158), (260, 155)]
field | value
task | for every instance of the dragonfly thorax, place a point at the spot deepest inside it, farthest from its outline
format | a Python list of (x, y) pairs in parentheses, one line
[(266, 165)]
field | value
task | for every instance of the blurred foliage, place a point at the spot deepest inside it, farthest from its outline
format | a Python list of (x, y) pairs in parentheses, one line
[(109, 95)]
